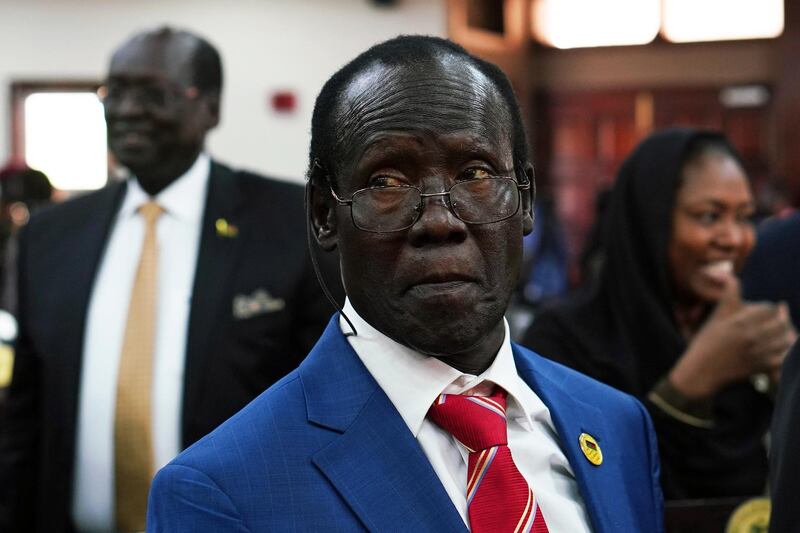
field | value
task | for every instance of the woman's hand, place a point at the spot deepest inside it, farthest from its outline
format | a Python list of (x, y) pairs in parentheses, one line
[(738, 340)]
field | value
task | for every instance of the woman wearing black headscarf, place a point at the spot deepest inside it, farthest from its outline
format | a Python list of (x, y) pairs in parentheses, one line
[(665, 321)]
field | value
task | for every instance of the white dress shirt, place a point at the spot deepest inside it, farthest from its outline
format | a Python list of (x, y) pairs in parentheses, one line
[(413, 381), (178, 235)]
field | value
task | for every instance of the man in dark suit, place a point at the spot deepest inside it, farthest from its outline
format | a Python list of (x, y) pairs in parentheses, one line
[(213, 296), (784, 462), (772, 271), (415, 411)]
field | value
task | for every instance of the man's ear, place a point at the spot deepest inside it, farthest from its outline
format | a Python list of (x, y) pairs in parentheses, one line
[(323, 215), (528, 198), (210, 102)]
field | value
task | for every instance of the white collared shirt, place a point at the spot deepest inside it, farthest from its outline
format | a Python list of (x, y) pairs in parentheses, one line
[(413, 381), (178, 234)]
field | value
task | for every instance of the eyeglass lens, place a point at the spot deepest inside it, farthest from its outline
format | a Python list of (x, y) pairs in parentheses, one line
[(483, 201), (153, 97)]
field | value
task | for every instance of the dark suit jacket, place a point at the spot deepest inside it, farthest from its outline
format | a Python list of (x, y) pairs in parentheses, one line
[(772, 271), (229, 360), (324, 449), (784, 461)]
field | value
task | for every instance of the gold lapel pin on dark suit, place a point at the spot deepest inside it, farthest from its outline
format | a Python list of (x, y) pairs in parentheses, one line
[(226, 230)]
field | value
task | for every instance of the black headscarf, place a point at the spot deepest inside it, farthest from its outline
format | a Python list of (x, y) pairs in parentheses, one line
[(635, 279), (623, 331)]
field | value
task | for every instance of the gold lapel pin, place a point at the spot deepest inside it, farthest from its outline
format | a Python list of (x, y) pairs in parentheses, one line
[(6, 364), (591, 449), (226, 230), (752, 515)]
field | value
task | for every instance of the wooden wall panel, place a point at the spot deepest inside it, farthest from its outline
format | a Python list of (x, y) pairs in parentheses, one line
[(583, 138)]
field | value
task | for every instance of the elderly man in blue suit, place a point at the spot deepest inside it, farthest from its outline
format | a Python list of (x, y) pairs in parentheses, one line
[(415, 411)]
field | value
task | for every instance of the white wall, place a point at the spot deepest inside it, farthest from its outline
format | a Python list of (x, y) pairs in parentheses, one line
[(265, 44)]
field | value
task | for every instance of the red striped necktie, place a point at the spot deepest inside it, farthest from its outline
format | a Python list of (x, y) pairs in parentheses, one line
[(498, 498)]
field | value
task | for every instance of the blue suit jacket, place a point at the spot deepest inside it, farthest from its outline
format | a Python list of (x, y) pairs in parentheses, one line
[(325, 450)]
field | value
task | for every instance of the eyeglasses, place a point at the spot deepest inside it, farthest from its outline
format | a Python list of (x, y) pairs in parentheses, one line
[(153, 97), (477, 201)]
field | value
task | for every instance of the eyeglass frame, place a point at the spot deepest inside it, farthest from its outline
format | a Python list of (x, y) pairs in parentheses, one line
[(420, 206)]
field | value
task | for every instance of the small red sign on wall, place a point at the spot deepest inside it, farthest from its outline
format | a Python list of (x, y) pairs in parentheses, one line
[(284, 101)]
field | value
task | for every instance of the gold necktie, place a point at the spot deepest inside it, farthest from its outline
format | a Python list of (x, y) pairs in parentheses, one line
[(133, 443)]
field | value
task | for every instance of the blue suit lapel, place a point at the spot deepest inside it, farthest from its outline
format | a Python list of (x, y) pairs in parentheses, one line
[(379, 469), (598, 485), (375, 464)]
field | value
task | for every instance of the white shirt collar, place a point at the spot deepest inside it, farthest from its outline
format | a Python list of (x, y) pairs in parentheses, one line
[(412, 381), (184, 198)]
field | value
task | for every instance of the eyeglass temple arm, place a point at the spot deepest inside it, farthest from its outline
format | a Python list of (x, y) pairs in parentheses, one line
[(312, 250), (317, 165), (336, 197)]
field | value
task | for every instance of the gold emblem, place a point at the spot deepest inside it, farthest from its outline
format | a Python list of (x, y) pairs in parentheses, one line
[(591, 449), (226, 230), (752, 516), (6, 365)]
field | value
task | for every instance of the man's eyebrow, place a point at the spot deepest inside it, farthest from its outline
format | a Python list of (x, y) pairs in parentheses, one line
[(121, 80), (480, 143), (136, 76)]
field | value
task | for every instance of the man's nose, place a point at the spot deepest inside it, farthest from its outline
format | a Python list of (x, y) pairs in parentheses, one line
[(437, 223), (129, 103)]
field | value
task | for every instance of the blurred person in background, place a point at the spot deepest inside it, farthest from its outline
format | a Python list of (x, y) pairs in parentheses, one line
[(544, 256), (773, 273), (152, 310), (23, 191), (592, 255), (544, 267), (666, 321), (773, 270), (784, 461)]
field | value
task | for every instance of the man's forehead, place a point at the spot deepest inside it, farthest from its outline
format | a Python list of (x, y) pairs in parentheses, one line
[(149, 55), (444, 95), (380, 80)]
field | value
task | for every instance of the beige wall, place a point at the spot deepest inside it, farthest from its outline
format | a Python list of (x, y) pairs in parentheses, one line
[(266, 45)]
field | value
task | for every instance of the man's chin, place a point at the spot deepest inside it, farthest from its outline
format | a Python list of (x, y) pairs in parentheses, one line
[(135, 163), (444, 343), (446, 332), (133, 154)]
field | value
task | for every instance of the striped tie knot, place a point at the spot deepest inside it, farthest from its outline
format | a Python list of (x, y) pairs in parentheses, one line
[(477, 422)]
